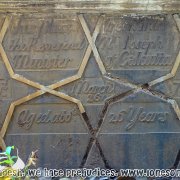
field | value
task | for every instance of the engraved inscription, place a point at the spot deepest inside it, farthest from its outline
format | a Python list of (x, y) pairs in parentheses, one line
[(133, 122), (5, 91), (115, 26), (131, 46), (138, 42), (25, 62), (26, 117), (47, 118), (65, 24), (136, 53), (55, 150), (35, 44), (133, 115), (144, 58), (91, 90), (140, 113)]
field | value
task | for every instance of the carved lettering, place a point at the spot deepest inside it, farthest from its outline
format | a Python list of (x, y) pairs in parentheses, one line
[(34, 44), (114, 26), (26, 117), (92, 90), (4, 88), (137, 43), (160, 59), (49, 26), (135, 53), (85, 87), (25, 62), (96, 97), (133, 115), (130, 43)]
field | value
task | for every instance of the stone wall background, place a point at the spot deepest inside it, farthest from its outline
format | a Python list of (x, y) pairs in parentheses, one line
[(120, 6), (91, 83)]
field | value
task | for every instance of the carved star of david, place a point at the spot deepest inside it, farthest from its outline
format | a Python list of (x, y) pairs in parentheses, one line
[(136, 88), (42, 89), (50, 89)]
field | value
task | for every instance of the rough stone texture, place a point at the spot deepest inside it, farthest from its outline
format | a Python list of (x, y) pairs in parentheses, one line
[(84, 101), (138, 131), (41, 46), (120, 6), (136, 48)]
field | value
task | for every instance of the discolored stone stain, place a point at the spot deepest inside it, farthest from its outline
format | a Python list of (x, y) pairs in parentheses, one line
[(91, 90)]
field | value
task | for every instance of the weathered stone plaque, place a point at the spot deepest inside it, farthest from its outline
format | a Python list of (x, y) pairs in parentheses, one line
[(142, 127), (45, 50), (138, 49), (91, 90), (57, 130)]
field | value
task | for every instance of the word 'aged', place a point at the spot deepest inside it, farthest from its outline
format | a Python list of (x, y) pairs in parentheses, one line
[(26, 117)]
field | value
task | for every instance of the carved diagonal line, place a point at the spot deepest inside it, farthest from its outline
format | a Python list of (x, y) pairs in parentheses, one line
[(35, 84), (2, 143), (139, 88), (175, 66), (172, 102), (102, 68), (169, 75), (175, 107), (92, 44), (4, 28), (167, 100), (48, 88), (159, 80)]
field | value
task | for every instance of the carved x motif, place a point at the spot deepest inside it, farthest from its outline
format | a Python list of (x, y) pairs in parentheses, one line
[(51, 88), (42, 89), (92, 44), (134, 86)]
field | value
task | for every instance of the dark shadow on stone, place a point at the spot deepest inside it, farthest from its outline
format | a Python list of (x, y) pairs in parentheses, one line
[(176, 163)]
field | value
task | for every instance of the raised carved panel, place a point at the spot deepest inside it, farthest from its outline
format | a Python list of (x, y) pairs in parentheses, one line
[(48, 118), (37, 47), (140, 113), (90, 89), (139, 49)]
